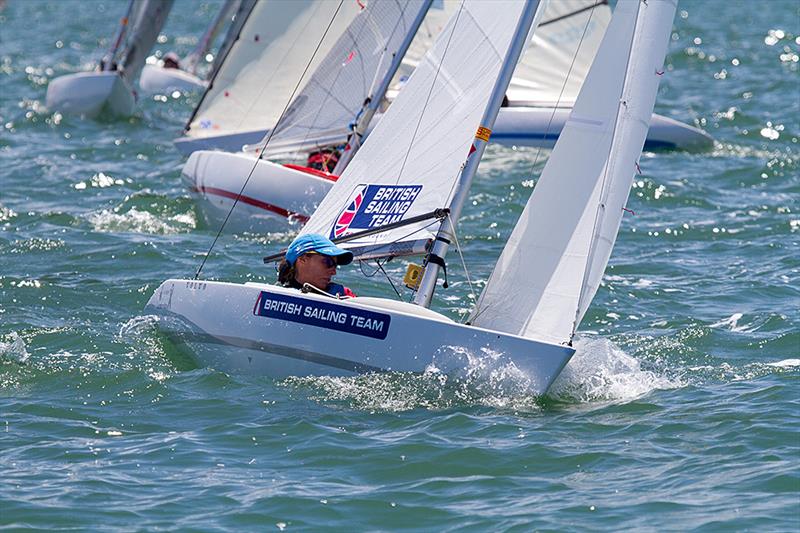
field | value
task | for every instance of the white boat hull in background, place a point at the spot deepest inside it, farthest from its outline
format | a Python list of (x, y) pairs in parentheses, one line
[(540, 127), (159, 80), (88, 93), (275, 194), (515, 126), (259, 329)]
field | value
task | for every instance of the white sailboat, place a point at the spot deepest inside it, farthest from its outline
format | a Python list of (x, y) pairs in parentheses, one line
[(162, 76), (112, 87), (539, 99), (414, 166), (346, 88), (249, 90)]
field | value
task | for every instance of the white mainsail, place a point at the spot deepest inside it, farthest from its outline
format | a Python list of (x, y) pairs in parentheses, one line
[(260, 72), (565, 43), (559, 249), (148, 19), (409, 164), (560, 53), (336, 92)]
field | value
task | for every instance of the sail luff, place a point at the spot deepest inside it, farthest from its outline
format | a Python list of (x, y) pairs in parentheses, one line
[(447, 229), (560, 247)]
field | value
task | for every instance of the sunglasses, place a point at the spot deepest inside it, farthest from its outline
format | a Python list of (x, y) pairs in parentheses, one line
[(329, 261)]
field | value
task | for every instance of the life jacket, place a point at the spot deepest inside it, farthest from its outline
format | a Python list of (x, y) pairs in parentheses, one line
[(339, 290)]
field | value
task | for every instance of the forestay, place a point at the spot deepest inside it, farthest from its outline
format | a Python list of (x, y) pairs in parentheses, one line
[(148, 19), (565, 43), (262, 68), (359, 60), (559, 249), (410, 162)]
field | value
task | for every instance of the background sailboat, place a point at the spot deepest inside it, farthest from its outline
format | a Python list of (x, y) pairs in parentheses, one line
[(112, 88), (538, 101), (260, 70), (158, 75), (347, 87), (414, 161), (540, 95)]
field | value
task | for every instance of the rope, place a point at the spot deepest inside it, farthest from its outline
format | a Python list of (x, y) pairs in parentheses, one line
[(464, 266), (266, 142)]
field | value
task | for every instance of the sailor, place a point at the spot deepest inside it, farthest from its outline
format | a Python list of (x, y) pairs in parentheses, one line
[(312, 259), (171, 60)]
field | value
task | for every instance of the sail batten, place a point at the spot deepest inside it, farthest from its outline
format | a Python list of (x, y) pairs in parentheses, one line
[(559, 249)]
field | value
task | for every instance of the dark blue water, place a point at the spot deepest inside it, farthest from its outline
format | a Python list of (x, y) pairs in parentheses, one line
[(680, 410)]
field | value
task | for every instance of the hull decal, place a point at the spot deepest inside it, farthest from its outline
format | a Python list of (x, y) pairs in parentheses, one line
[(324, 315)]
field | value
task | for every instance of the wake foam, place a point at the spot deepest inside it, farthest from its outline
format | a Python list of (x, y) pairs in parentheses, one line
[(135, 221), (602, 371), (14, 350)]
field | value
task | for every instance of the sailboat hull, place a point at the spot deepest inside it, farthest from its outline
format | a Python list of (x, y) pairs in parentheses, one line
[(88, 93), (267, 330), (518, 125), (275, 196), (155, 79)]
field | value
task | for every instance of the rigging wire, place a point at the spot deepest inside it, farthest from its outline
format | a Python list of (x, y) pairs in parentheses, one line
[(266, 142), (388, 278), (464, 266)]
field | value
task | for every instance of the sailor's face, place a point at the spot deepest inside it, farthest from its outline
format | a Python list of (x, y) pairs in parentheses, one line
[(315, 269)]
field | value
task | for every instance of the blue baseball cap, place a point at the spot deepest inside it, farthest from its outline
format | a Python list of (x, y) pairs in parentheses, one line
[(314, 242)]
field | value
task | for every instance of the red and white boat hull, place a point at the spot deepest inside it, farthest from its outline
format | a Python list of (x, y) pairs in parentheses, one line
[(275, 195)]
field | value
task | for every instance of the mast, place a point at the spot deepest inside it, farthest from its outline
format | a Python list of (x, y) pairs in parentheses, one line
[(435, 258), (373, 101), (109, 58)]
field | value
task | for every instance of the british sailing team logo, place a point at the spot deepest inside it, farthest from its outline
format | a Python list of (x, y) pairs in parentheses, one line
[(372, 206)]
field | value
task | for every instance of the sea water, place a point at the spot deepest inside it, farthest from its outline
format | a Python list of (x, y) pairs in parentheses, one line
[(680, 410)]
